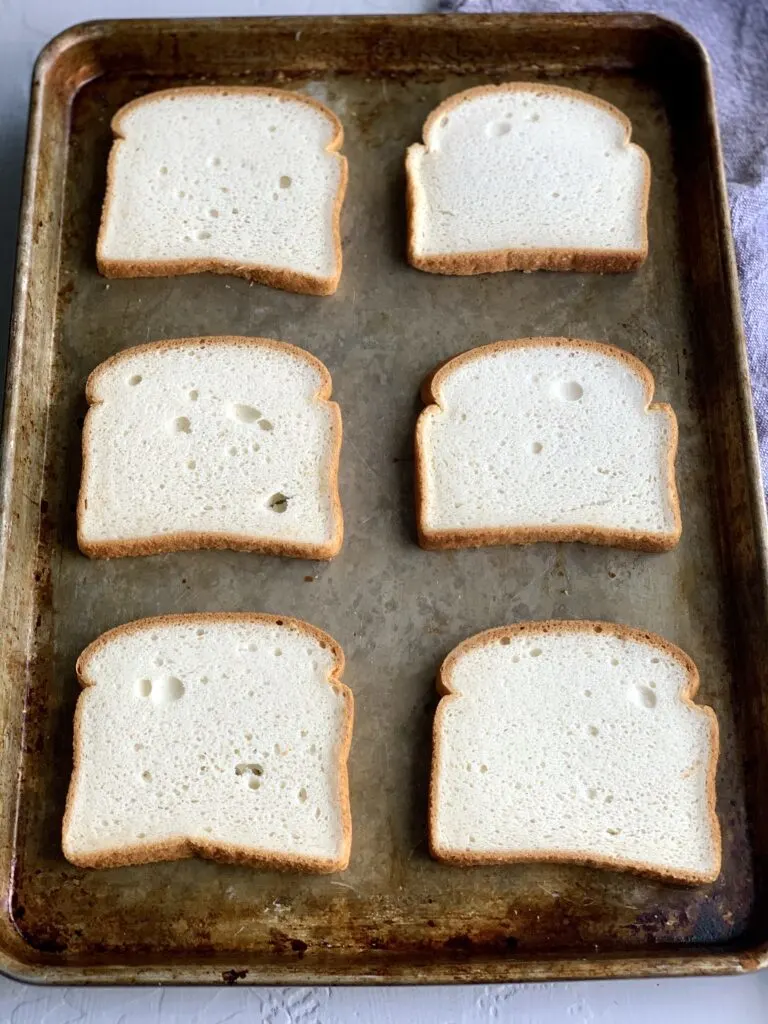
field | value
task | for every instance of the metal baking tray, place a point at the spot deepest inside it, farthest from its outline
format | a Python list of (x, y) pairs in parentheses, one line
[(395, 915)]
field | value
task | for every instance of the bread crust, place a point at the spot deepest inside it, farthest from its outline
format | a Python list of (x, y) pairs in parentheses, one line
[(182, 847), (274, 277), (492, 261), (638, 540), (192, 540), (462, 858)]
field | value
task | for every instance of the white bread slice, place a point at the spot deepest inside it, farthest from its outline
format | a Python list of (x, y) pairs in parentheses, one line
[(574, 741), (545, 439), (211, 443), (525, 176), (221, 735), (236, 180)]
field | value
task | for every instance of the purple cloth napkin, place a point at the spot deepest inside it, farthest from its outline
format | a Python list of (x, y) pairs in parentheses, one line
[(735, 33)]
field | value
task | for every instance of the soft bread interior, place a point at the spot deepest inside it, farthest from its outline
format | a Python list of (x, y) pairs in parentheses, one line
[(230, 439), (575, 741), (543, 435), (526, 167), (220, 735), (234, 178)]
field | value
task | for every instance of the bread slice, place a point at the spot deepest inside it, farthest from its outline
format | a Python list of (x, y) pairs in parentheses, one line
[(525, 176), (545, 439), (211, 443), (221, 735), (574, 741), (244, 181)]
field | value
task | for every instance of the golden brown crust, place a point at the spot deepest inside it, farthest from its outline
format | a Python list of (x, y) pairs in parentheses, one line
[(588, 261), (181, 847), (463, 858), (638, 540), (495, 261), (190, 541), (273, 277)]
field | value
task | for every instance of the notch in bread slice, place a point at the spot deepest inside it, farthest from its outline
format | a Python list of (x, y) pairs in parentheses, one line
[(211, 443), (524, 176), (219, 735), (574, 741), (545, 439), (236, 180)]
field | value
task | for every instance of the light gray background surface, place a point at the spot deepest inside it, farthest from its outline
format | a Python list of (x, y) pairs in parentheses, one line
[(25, 26)]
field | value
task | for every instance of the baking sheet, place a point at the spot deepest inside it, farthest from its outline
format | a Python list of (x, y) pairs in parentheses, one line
[(394, 915)]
